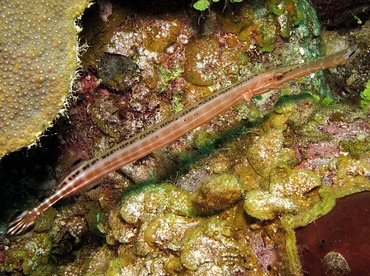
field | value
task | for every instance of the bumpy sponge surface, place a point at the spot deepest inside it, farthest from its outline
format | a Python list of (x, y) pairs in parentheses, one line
[(38, 59)]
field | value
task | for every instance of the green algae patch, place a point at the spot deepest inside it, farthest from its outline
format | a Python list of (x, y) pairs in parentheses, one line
[(260, 25), (117, 265), (365, 97), (45, 221), (264, 21), (162, 34), (289, 192), (249, 179), (294, 184), (167, 234), (266, 206), (117, 230), (357, 149), (202, 61), (231, 23), (160, 233), (99, 261), (352, 172), (32, 255), (145, 203), (152, 224), (263, 153), (218, 193), (215, 244)]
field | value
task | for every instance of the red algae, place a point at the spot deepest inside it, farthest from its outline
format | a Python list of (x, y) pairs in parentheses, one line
[(345, 230)]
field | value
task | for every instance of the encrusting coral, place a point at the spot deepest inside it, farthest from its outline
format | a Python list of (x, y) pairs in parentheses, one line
[(38, 60)]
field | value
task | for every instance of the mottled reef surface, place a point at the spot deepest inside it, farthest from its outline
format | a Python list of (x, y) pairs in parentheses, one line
[(274, 186)]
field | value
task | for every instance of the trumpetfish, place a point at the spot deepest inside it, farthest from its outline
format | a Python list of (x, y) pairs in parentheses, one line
[(172, 128)]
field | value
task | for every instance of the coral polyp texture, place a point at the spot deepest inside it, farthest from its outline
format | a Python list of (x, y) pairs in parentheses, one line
[(38, 59)]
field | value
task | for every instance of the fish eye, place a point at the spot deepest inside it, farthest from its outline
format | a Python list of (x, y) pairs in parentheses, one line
[(279, 76)]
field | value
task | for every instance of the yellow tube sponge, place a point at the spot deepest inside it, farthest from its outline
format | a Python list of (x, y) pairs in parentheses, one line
[(38, 60)]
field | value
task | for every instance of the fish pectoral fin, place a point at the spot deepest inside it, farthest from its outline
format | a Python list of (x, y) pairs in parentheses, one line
[(248, 95)]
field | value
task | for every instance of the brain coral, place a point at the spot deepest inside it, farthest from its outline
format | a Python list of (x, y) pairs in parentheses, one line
[(38, 59)]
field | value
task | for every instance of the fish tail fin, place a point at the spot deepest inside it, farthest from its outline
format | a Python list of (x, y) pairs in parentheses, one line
[(22, 223)]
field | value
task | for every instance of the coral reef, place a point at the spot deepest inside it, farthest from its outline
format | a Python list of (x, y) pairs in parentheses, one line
[(162, 228), (228, 197), (250, 20), (29, 255), (347, 81), (38, 60)]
